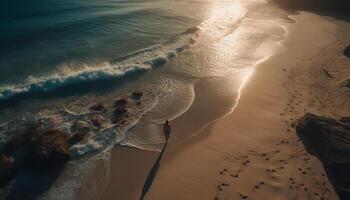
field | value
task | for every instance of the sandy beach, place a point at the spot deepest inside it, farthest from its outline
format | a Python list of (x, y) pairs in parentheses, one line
[(175, 100), (251, 151)]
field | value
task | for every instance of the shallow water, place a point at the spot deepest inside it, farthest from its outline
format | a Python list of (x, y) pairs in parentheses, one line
[(59, 57)]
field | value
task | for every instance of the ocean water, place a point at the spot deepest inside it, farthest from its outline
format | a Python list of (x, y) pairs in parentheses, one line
[(41, 40), (59, 57)]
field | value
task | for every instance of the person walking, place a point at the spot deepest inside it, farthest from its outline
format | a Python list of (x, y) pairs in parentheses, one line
[(154, 170), (166, 130)]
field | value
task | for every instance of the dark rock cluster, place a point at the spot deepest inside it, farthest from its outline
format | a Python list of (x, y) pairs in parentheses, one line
[(136, 95), (100, 106), (42, 150), (47, 150), (36, 150)]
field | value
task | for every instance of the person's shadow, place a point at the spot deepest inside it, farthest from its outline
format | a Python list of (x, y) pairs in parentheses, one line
[(153, 173)]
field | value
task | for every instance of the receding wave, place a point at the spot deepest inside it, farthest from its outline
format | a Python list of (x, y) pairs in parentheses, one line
[(143, 60)]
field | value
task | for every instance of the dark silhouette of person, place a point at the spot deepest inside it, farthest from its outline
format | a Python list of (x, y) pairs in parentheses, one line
[(166, 130), (154, 170)]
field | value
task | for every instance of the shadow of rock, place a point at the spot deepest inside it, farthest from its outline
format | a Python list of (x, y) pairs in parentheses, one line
[(31, 163), (329, 140), (30, 185), (335, 8), (347, 51)]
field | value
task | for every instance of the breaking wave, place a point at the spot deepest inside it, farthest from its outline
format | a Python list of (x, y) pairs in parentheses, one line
[(143, 60)]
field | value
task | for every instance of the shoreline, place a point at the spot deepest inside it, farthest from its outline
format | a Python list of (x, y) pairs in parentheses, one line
[(197, 168)]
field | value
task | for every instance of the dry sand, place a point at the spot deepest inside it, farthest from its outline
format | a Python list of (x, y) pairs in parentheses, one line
[(253, 153)]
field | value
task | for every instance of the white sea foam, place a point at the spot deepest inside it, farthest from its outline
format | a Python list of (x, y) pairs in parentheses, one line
[(143, 60)]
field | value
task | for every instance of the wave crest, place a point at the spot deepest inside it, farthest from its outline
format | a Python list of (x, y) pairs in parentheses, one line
[(143, 60)]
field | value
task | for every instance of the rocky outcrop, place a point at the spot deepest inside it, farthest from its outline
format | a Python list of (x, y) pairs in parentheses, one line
[(121, 102), (136, 95), (10, 148), (47, 150), (119, 115), (96, 121), (80, 126), (7, 170), (100, 106), (38, 149), (80, 129), (329, 140)]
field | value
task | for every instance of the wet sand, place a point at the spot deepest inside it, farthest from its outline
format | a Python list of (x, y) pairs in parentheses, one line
[(252, 153)]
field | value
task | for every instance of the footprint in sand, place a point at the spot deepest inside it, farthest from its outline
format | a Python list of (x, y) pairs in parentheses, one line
[(225, 184), (223, 171), (237, 173), (218, 188), (246, 162), (307, 159), (243, 196), (257, 186), (234, 175)]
